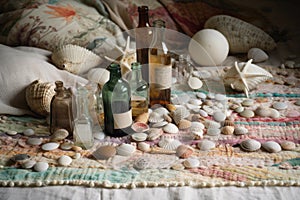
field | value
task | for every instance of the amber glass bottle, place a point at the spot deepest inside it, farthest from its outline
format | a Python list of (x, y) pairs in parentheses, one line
[(143, 40), (61, 113), (116, 97), (160, 68)]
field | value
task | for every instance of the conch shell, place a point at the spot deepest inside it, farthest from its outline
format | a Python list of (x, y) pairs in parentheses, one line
[(240, 35), (75, 59), (245, 76), (39, 96)]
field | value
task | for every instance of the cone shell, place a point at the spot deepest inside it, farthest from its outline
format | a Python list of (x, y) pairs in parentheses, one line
[(75, 59), (39, 96), (241, 35)]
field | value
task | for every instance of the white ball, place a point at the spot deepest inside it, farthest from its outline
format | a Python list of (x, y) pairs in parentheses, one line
[(208, 47)]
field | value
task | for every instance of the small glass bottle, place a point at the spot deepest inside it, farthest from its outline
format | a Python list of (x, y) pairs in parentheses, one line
[(83, 135), (143, 40), (160, 67), (61, 113), (116, 97), (139, 91)]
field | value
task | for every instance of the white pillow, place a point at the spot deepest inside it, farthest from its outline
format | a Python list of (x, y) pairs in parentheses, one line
[(19, 67)]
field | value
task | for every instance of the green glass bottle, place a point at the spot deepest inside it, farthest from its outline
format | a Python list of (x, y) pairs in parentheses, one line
[(116, 97), (139, 90)]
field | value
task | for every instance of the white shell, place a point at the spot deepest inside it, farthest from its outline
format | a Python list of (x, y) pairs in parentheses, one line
[(159, 124), (50, 146), (194, 83), (191, 163), (65, 160), (98, 75), (208, 47), (250, 145), (143, 146), (155, 117), (288, 145), (245, 76), (211, 124), (161, 110), (169, 143), (280, 105), (139, 137), (257, 54), (213, 131), (219, 116), (28, 164), (247, 113), (271, 146), (206, 145), (196, 126), (125, 149), (34, 141), (240, 35), (179, 114), (171, 128), (41, 166), (240, 130), (59, 134), (154, 133), (75, 59)]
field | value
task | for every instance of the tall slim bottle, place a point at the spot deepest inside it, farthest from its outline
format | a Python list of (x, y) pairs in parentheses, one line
[(160, 67), (83, 135), (116, 97), (143, 40)]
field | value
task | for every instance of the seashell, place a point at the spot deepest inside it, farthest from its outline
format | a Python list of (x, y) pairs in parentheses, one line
[(280, 105), (211, 124), (288, 145), (257, 54), (155, 117), (168, 118), (191, 163), (194, 82), (28, 164), (64, 160), (104, 152), (203, 113), (75, 59), (250, 145), (141, 163), (34, 141), (177, 166), (139, 137), (41, 166), (50, 146), (227, 130), (99, 135), (274, 113), (77, 156), (154, 133), (247, 102), (11, 133), (213, 131), (195, 126), (245, 76), (66, 145), (206, 145), (20, 157), (228, 122), (198, 134), (39, 95), (143, 146), (196, 102), (170, 128), (184, 151), (140, 127), (271, 146), (125, 149), (184, 124), (159, 124), (98, 75), (240, 35), (247, 113), (169, 143), (162, 111), (201, 95), (240, 130), (143, 118), (28, 132), (219, 116), (59, 134), (179, 114), (262, 111), (171, 107), (192, 106), (208, 109)]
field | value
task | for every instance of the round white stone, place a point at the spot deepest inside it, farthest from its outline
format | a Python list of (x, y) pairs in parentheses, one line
[(213, 131), (11, 133), (64, 160), (41, 166), (50, 146), (248, 102), (34, 141), (219, 116), (28, 164), (280, 105), (201, 95), (28, 132), (220, 97)]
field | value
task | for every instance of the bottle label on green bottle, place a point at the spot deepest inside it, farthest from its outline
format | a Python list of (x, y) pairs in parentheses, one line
[(122, 120)]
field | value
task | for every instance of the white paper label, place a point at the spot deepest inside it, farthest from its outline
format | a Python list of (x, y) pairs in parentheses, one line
[(122, 120), (161, 75)]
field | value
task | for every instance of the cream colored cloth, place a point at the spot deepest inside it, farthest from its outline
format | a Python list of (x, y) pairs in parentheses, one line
[(19, 67)]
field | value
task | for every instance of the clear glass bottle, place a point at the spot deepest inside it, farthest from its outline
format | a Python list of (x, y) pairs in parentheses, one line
[(83, 135), (116, 97), (160, 67), (143, 40), (61, 113), (139, 91)]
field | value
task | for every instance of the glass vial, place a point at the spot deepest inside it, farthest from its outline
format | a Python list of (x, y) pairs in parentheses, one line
[(139, 91), (143, 40), (116, 97), (83, 135), (160, 67), (61, 113)]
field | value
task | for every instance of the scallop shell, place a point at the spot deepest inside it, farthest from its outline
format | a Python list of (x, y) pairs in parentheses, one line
[(241, 35), (39, 95), (98, 75), (250, 145), (162, 110), (171, 128), (257, 54), (227, 130), (75, 59), (154, 133), (104, 152), (184, 151), (196, 126), (155, 117), (179, 114), (271, 146), (125, 149), (169, 143), (184, 124), (195, 83), (206, 145), (191, 163)]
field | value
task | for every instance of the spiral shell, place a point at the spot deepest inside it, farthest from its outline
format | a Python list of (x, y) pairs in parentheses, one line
[(39, 96), (75, 59)]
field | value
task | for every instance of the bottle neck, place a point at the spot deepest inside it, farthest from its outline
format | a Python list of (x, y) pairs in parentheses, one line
[(137, 74), (115, 72), (82, 104), (159, 36), (143, 17)]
